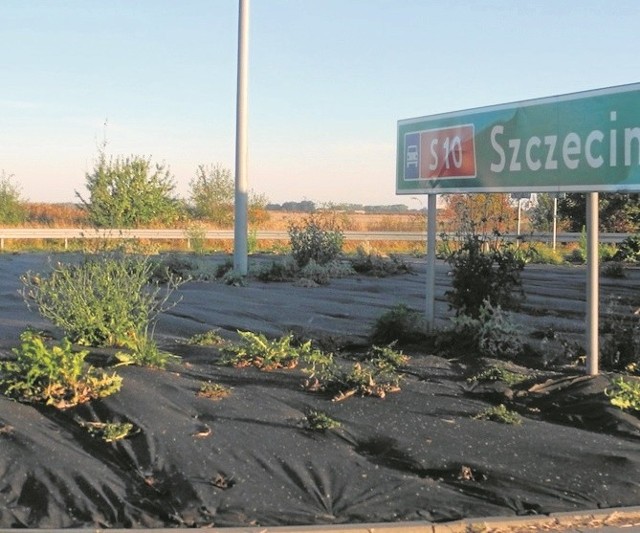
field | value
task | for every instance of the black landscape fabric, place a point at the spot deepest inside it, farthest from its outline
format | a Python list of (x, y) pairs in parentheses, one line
[(249, 458)]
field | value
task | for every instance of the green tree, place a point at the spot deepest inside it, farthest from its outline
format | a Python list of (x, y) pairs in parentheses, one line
[(213, 194), (130, 192), (481, 213), (541, 215), (619, 212), (12, 208)]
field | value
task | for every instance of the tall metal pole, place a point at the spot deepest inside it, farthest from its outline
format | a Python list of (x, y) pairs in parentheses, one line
[(593, 289), (555, 220), (240, 247), (431, 261)]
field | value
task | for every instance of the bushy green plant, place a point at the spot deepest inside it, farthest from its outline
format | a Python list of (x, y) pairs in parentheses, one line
[(624, 394), (500, 414), (360, 378), (255, 349), (613, 269), (212, 194), (197, 237), (374, 264), (282, 270), (145, 352), (56, 375), (620, 349), (12, 207), (104, 300), (493, 333), (480, 276), (629, 250), (386, 357), (317, 238), (129, 193), (399, 324), (545, 254)]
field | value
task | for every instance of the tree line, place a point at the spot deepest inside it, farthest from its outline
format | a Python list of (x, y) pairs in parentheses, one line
[(129, 192)]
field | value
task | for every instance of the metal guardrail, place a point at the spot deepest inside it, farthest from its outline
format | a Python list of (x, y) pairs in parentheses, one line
[(67, 234)]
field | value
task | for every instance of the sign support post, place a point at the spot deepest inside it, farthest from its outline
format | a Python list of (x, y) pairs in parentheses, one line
[(431, 261), (592, 284)]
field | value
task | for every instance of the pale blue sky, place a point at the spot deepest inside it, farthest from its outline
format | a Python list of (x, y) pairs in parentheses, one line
[(329, 79)]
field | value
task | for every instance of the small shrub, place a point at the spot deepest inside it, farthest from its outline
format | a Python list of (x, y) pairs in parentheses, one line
[(492, 333), (317, 238), (171, 267), (213, 391), (500, 414), (319, 421), (197, 237), (375, 264), (613, 269), (545, 254), (498, 335), (316, 272), (225, 267), (55, 375), (628, 250), (233, 277), (624, 394), (103, 301), (285, 270), (620, 349), (480, 276), (400, 324)]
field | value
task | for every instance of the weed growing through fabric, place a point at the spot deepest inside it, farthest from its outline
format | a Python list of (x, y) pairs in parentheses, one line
[(108, 431), (629, 250), (55, 375), (399, 324), (621, 337), (255, 349), (479, 276), (498, 373), (213, 391), (386, 357), (624, 394), (145, 352), (233, 277), (376, 376), (208, 338), (493, 333), (278, 271), (319, 421), (105, 300), (614, 270), (372, 263), (500, 414), (319, 238)]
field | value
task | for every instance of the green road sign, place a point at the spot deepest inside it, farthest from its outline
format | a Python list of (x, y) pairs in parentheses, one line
[(588, 141)]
